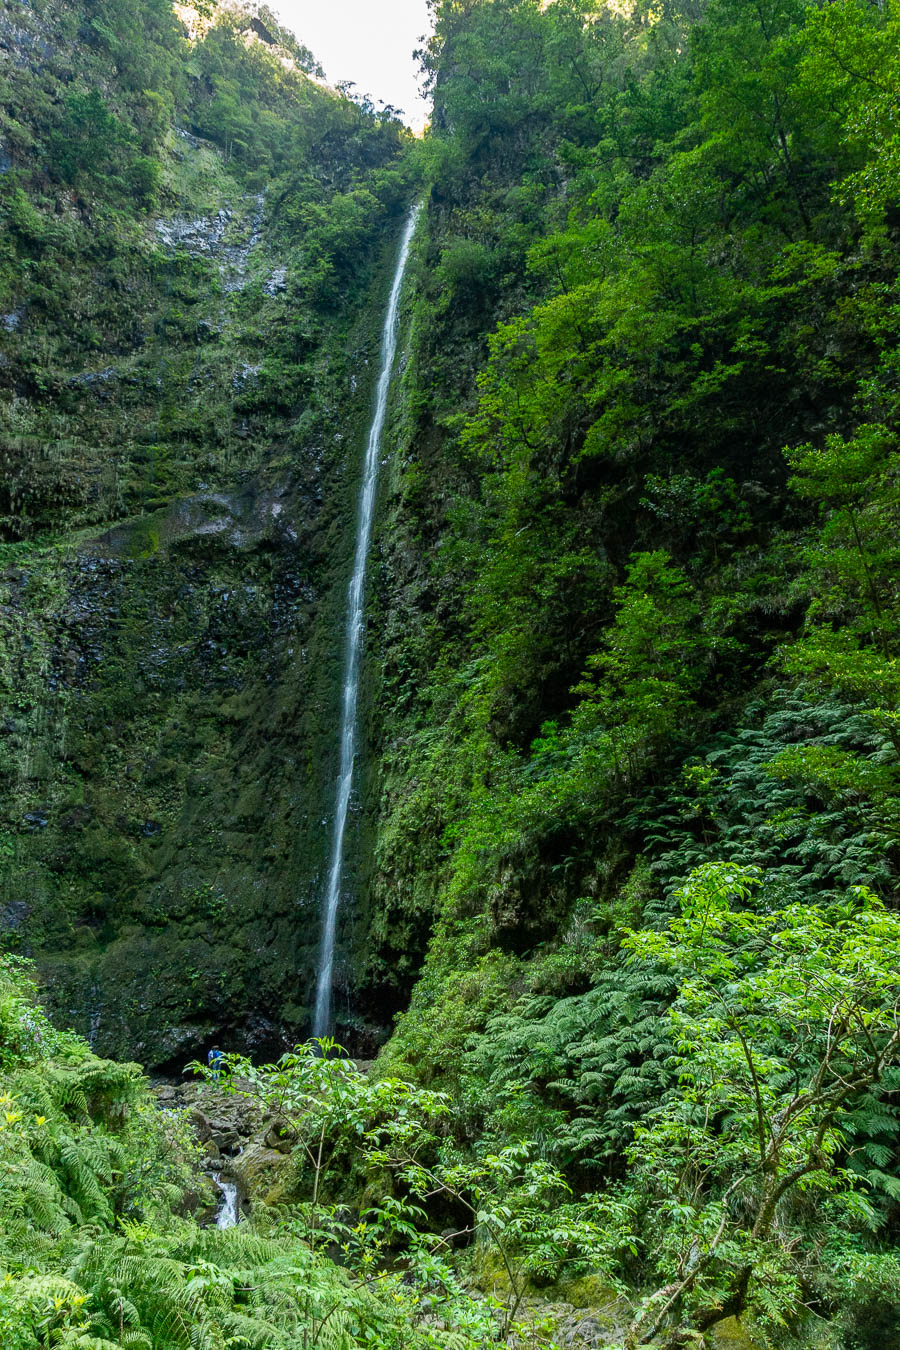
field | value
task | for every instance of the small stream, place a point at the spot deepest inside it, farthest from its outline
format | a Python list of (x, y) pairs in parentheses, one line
[(228, 1212)]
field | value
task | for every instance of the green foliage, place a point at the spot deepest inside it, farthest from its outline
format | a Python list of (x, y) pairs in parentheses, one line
[(575, 1073), (785, 1025), (852, 638), (88, 139), (621, 548), (853, 49), (654, 662), (627, 633), (97, 1250), (339, 1119), (776, 795)]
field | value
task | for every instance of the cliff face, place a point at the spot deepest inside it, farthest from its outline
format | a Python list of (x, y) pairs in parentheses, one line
[(190, 310), (646, 474)]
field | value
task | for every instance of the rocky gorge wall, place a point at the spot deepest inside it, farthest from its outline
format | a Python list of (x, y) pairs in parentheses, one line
[(185, 397)]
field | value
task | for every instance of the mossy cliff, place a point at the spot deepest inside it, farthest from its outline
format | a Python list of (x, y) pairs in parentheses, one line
[(187, 375), (636, 586), (646, 472)]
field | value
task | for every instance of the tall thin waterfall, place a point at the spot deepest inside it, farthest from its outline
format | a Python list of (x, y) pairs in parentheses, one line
[(322, 1019)]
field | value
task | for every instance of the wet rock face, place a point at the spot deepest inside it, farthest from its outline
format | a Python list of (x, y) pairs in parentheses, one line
[(179, 524), (172, 858), (169, 684), (23, 40), (240, 1140), (220, 237), (181, 428), (169, 681)]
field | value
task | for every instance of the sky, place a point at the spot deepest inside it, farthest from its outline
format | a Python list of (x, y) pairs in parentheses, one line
[(367, 41)]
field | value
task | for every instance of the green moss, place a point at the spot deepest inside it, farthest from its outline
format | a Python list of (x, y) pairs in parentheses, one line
[(181, 454), (732, 1334)]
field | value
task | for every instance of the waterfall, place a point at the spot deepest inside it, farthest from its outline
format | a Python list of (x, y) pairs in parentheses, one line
[(322, 1019), (229, 1210)]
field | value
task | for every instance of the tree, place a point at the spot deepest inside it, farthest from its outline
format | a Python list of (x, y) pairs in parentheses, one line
[(89, 138), (339, 1119), (852, 636), (787, 1024), (853, 56), (655, 660)]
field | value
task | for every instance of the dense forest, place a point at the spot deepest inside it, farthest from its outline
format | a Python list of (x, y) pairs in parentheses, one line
[(618, 953)]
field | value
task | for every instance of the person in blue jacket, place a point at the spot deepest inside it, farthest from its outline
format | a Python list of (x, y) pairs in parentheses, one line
[(214, 1059)]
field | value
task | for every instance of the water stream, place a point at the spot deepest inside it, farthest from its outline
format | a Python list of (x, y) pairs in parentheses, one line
[(322, 1019), (228, 1212)]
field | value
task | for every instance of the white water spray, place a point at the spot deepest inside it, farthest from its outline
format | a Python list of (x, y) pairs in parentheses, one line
[(322, 1019), (229, 1211)]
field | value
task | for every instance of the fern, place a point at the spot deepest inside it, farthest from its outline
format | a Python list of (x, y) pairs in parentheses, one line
[(83, 1341), (752, 812)]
